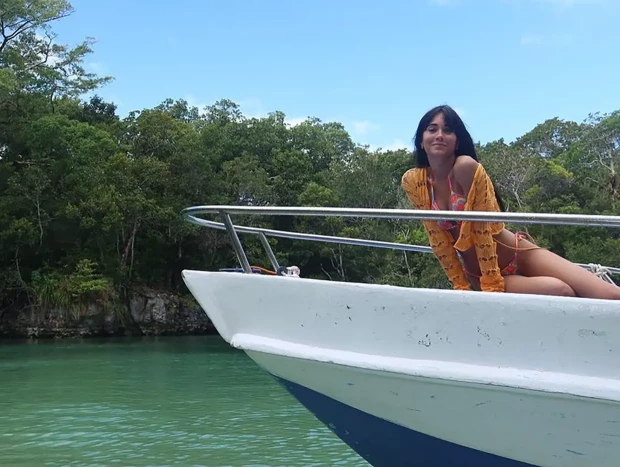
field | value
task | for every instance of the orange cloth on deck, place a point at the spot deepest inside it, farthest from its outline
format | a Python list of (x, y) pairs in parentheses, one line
[(481, 197)]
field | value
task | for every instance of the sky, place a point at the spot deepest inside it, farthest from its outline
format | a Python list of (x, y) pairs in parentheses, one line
[(374, 66)]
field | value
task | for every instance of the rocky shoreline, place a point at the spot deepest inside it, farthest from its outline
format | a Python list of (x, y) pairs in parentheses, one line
[(145, 312)]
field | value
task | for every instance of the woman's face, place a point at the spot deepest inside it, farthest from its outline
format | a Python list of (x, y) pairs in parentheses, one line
[(438, 139)]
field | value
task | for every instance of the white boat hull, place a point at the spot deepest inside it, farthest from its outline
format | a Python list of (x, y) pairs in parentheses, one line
[(434, 378)]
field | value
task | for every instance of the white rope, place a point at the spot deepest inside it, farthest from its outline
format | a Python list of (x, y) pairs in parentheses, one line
[(600, 271), (291, 271)]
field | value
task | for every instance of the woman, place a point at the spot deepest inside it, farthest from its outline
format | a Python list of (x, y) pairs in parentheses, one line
[(448, 177)]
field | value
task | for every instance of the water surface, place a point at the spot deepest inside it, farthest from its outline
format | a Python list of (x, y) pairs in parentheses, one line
[(190, 401)]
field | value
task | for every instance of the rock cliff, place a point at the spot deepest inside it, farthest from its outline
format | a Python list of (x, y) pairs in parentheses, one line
[(144, 312)]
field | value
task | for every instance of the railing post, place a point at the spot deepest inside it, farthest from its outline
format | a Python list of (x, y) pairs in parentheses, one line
[(270, 254), (230, 228)]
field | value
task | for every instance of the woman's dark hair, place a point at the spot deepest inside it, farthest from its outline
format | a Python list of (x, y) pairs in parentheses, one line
[(465, 142)]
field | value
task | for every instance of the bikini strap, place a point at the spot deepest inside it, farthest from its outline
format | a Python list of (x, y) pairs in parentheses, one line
[(431, 180)]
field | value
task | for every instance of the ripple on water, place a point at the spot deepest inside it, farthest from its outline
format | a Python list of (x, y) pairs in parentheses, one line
[(153, 402)]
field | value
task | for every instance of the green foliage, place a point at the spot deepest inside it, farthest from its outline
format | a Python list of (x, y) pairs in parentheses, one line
[(90, 202), (72, 292)]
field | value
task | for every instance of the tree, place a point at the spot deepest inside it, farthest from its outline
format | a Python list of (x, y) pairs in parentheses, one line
[(90, 202)]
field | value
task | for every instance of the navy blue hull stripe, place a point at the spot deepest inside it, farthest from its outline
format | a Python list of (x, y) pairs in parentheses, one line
[(385, 444)]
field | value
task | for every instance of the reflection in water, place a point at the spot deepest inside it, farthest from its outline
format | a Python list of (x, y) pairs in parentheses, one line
[(154, 401)]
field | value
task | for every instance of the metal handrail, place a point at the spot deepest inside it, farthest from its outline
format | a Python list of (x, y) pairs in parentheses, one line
[(262, 232), (410, 214), (313, 237)]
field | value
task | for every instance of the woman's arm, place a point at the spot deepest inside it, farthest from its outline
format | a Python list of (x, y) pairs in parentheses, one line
[(474, 181), (441, 243), (414, 184)]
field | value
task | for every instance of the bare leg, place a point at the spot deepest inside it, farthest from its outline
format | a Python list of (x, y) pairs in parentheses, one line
[(538, 285), (542, 262)]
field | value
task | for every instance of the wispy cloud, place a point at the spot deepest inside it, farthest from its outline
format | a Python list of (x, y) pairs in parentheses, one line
[(570, 3), (363, 128), (98, 68), (360, 130), (444, 2), (250, 107), (561, 3), (531, 39), (397, 144), (294, 121), (192, 101)]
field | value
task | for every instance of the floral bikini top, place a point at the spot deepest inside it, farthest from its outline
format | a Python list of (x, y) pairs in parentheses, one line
[(457, 203)]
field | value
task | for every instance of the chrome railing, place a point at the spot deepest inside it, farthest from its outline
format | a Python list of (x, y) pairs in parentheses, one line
[(483, 216), (191, 213)]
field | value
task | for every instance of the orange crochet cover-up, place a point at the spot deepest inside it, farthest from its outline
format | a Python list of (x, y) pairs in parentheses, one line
[(481, 197)]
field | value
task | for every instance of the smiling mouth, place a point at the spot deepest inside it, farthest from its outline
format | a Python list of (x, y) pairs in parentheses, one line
[(438, 144)]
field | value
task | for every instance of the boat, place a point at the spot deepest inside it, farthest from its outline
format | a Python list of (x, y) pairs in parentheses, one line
[(423, 377)]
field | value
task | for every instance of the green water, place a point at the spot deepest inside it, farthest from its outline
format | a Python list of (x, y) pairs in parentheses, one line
[(190, 401)]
